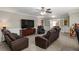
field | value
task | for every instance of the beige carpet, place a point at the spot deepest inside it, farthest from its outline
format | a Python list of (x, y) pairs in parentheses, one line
[(64, 43)]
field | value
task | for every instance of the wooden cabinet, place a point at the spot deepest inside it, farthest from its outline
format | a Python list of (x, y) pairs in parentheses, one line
[(27, 31)]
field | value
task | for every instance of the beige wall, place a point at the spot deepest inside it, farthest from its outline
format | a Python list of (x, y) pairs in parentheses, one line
[(13, 21)]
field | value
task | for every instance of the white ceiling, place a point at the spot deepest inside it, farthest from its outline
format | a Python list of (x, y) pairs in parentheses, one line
[(35, 11)]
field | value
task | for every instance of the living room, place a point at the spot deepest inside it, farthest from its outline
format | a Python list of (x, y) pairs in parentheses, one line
[(58, 37), (64, 17)]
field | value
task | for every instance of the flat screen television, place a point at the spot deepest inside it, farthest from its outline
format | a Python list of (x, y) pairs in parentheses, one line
[(27, 23)]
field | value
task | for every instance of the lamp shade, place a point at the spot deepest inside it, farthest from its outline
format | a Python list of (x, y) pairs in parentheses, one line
[(3, 23)]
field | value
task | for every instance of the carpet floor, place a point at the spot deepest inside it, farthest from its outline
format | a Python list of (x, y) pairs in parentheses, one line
[(64, 43)]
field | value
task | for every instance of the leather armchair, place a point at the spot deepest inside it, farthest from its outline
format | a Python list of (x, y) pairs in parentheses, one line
[(40, 30), (14, 41), (46, 40)]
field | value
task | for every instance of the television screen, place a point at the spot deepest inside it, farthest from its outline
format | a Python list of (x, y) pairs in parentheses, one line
[(27, 23)]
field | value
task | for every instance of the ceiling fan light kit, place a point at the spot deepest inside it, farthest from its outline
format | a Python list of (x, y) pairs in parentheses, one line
[(44, 11), (53, 16)]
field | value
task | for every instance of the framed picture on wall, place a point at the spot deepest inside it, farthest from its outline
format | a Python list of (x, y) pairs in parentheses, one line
[(66, 22)]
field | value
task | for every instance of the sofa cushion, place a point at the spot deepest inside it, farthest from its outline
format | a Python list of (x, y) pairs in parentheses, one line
[(11, 37), (47, 35), (5, 32), (8, 33), (16, 36), (57, 28)]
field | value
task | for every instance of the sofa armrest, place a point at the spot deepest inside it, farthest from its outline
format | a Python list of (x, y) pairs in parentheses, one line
[(42, 37), (19, 44), (41, 42)]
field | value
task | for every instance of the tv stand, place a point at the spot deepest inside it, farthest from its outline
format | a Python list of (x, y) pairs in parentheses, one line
[(27, 31)]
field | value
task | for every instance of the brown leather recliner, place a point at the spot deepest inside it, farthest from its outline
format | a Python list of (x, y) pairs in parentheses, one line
[(14, 41), (46, 40)]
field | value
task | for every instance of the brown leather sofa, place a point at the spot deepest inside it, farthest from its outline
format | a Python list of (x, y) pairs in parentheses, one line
[(14, 41), (46, 40)]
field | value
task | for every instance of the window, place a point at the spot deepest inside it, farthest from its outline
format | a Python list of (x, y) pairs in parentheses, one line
[(53, 23)]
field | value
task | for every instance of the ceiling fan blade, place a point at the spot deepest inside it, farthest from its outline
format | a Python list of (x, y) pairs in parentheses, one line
[(49, 9)]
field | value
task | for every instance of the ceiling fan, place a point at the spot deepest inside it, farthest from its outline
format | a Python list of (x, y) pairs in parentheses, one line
[(48, 10), (44, 11)]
